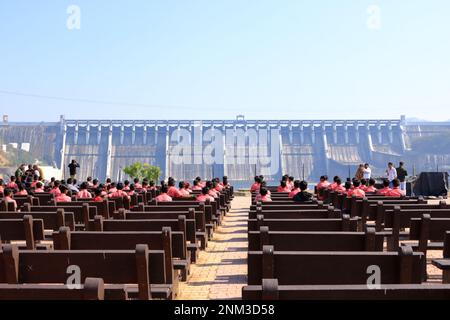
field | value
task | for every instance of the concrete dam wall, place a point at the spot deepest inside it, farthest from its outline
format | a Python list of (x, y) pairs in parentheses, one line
[(236, 148)]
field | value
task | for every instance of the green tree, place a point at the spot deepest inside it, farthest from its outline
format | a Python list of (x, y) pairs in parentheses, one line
[(141, 171)]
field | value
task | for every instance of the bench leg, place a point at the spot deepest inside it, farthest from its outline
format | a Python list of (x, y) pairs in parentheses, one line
[(446, 276), (193, 252)]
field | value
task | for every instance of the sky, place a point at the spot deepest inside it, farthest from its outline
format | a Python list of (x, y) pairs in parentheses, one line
[(216, 59)]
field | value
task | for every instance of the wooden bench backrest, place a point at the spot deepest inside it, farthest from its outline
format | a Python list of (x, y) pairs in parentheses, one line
[(52, 220), (315, 240), (344, 224), (317, 268), (140, 266)]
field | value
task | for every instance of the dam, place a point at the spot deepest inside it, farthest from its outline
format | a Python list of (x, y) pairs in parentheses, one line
[(303, 148)]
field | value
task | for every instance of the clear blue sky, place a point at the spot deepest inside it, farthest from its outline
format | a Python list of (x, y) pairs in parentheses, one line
[(214, 59)]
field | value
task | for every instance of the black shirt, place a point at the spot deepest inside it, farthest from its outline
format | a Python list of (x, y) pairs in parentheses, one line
[(401, 174), (303, 196), (73, 168)]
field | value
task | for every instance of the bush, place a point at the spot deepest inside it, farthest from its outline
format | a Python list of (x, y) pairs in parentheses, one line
[(142, 171)]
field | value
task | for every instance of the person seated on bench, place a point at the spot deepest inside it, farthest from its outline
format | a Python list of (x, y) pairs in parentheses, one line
[(371, 188), (323, 184), (183, 190), (39, 188), (201, 183), (218, 186), (195, 186), (263, 196), (357, 191), (283, 187), (363, 185), (137, 185), (63, 196), (303, 195), (84, 193), (256, 185), (103, 189), (51, 183), (2, 186), (98, 195), (151, 185), (339, 187), (8, 197), (259, 195), (164, 197), (55, 190), (383, 191), (333, 185), (95, 183), (126, 185), (112, 188), (295, 190), (108, 183), (173, 192), (72, 185), (395, 192), (12, 184), (21, 190), (224, 182), (89, 182), (204, 195), (132, 190), (35, 181), (212, 189), (119, 193), (290, 182)]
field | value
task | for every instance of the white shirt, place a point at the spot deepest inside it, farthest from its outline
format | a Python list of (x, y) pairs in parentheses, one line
[(391, 174), (367, 173)]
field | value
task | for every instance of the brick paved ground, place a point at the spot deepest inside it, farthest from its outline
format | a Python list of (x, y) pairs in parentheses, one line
[(221, 270)]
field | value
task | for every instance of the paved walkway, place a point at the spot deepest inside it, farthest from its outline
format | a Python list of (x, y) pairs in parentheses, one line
[(221, 270)]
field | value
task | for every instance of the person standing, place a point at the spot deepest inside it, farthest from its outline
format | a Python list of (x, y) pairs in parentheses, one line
[(20, 172), (360, 172), (401, 175), (391, 174), (367, 172), (73, 169)]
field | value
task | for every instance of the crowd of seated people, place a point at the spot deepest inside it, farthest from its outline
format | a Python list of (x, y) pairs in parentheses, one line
[(297, 190), (92, 189)]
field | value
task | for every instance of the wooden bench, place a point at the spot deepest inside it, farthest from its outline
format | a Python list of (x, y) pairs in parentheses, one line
[(381, 208), (270, 290), (190, 214), (172, 243), (297, 214), (444, 264), (82, 214), (368, 206), (26, 229), (52, 220), (315, 240), (187, 226), (92, 289), (343, 224), (320, 268), (106, 208), (45, 198), (141, 267), (200, 232)]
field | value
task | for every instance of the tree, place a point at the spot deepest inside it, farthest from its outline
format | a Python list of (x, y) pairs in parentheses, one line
[(141, 171)]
